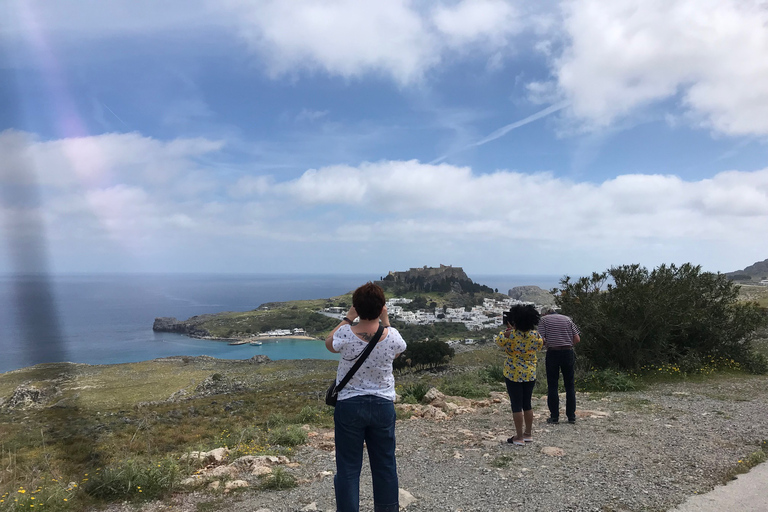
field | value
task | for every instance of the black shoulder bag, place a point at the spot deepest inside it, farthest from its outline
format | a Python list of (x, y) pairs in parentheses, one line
[(332, 394)]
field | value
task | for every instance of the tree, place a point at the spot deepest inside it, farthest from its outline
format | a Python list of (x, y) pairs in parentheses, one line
[(424, 354), (630, 317)]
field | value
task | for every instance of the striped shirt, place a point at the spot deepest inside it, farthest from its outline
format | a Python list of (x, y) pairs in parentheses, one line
[(557, 330)]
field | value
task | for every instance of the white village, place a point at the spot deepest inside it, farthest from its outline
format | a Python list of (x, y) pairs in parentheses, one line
[(485, 316)]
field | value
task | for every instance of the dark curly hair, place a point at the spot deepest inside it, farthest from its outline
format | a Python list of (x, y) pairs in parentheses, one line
[(368, 301), (524, 317)]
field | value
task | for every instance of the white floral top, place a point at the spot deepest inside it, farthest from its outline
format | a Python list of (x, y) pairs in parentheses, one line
[(375, 375)]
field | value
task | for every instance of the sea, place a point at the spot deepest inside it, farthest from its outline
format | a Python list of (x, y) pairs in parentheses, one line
[(107, 318)]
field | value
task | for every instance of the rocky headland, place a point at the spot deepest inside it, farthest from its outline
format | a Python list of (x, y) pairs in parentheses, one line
[(191, 327)]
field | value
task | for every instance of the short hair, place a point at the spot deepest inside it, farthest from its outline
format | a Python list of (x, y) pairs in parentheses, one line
[(524, 317), (368, 300)]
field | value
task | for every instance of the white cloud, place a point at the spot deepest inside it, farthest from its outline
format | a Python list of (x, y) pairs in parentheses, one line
[(107, 159), (416, 208), (455, 202), (344, 37), (477, 20), (350, 38), (626, 54), (123, 188)]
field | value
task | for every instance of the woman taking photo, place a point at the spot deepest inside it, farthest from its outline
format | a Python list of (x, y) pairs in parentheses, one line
[(521, 341), (365, 410)]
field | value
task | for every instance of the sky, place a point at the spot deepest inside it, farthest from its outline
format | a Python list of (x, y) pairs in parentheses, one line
[(353, 136)]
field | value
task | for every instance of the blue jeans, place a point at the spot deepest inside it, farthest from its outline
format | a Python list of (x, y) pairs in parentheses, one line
[(371, 419), (557, 361)]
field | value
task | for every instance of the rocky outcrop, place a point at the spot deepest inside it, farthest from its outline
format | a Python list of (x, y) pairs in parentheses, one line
[(238, 473), (438, 406), (217, 384), (28, 396), (189, 327), (444, 279), (532, 294)]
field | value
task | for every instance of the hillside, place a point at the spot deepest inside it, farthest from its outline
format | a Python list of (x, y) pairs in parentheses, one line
[(533, 294), (643, 450), (442, 279), (428, 287), (753, 273)]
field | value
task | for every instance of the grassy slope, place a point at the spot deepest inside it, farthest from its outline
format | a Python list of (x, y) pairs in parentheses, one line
[(755, 293), (277, 315)]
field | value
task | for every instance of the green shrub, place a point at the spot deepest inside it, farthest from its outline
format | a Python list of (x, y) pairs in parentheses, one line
[(756, 364), (310, 414), (630, 317), (424, 354), (606, 380), (290, 435), (494, 373), (414, 393), (275, 419), (134, 481), (279, 479)]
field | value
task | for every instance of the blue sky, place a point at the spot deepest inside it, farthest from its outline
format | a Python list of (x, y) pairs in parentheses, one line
[(350, 136)]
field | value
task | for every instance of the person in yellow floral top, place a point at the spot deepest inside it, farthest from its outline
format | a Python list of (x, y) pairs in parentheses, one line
[(521, 341)]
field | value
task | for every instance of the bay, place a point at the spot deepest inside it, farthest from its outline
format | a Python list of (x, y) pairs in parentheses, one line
[(107, 318)]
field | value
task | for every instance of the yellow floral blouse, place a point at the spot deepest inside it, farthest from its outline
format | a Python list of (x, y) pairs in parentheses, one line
[(521, 348)]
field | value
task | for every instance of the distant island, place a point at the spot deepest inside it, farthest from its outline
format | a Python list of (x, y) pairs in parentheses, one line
[(427, 301)]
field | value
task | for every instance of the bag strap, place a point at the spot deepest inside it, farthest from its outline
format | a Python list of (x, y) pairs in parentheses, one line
[(361, 359)]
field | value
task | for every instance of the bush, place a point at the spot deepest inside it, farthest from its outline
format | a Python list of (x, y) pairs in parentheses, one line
[(424, 354), (291, 435), (310, 414), (133, 481), (494, 373), (275, 419), (757, 364), (279, 479), (630, 317), (414, 393), (606, 380)]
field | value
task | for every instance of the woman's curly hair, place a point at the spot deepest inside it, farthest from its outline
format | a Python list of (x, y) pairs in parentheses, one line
[(524, 317)]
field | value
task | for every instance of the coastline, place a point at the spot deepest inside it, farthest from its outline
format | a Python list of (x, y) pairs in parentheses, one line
[(251, 338), (292, 337)]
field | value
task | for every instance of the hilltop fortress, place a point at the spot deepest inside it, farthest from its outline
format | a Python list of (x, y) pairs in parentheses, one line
[(445, 279), (428, 274)]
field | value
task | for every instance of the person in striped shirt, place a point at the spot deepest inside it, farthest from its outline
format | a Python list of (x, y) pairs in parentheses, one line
[(560, 335)]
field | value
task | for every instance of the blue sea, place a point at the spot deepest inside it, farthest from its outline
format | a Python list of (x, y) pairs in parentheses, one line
[(105, 319)]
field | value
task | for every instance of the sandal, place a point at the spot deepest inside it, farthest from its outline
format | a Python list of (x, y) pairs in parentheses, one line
[(516, 442), (528, 438)]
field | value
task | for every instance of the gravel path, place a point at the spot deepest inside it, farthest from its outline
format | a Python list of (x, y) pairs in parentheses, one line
[(640, 451)]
